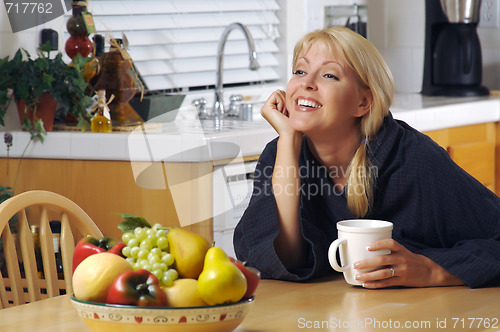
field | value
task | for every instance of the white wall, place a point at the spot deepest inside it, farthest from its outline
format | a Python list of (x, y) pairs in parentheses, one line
[(490, 42), (28, 39), (397, 28)]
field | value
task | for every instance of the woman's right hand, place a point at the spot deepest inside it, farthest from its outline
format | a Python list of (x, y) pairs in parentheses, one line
[(275, 112)]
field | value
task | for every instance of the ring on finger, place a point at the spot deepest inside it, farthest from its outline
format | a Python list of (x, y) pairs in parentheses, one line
[(392, 272)]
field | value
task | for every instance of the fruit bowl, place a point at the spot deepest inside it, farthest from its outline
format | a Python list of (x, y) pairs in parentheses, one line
[(101, 317)]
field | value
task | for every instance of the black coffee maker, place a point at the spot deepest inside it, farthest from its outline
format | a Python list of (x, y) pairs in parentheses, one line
[(453, 61)]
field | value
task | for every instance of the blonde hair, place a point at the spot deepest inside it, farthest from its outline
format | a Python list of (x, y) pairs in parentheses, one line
[(372, 73)]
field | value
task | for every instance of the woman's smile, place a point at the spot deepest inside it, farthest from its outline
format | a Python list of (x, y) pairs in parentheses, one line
[(306, 104)]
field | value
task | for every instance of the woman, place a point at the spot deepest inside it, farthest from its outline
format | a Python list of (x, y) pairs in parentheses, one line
[(341, 155)]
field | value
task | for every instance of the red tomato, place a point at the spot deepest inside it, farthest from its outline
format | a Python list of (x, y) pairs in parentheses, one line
[(251, 274), (140, 288)]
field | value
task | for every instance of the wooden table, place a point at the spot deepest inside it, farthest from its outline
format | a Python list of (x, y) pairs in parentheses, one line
[(327, 304)]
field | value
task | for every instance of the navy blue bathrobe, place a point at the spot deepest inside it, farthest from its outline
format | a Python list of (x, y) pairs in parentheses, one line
[(438, 210)]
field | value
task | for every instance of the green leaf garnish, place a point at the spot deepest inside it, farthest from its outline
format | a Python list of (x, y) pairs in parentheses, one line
[(132, 222)]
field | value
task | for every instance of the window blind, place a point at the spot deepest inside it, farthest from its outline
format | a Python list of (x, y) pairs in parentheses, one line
[(174, 42)]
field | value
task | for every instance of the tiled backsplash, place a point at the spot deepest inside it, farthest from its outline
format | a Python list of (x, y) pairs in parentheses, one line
[(397, 28)]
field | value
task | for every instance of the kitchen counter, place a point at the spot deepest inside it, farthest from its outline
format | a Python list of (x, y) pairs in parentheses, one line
[(189, 140), (432, 113)]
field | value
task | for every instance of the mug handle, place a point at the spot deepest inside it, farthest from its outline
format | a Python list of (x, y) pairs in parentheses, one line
[(332, 255)]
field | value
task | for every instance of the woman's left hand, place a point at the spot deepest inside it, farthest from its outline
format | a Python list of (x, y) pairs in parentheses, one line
[(404, 268)]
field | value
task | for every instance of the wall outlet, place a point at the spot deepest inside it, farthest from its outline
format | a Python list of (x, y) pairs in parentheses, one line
[(489, 14)]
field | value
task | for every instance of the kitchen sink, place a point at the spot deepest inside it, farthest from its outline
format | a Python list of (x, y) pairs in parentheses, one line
[(245, 111)]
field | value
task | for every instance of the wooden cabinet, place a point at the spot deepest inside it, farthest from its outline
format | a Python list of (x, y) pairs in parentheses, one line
[(105, 189), (475, 148)]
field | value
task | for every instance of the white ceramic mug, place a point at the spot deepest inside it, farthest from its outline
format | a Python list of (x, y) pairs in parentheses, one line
[(354, 237)]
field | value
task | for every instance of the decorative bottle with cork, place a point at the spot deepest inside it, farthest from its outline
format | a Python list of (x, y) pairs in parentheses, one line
[(118, 78), (101, 122)]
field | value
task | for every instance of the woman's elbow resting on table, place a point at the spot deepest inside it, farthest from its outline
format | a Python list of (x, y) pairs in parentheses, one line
[(290, 254)]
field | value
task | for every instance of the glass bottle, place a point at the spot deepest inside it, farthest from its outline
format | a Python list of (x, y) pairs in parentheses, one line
[(100, 122), (75, 24), (98, 45), (55, 227), (78, 41), (115, 78), (56, 238), (98, 50), (35, 230)]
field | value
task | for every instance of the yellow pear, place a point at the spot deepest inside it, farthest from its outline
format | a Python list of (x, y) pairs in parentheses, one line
[(221, 281), (189, 251), (183, 293)]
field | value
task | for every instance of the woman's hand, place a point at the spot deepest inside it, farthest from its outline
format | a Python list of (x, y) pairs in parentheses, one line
[(275, 112), (410, 270)]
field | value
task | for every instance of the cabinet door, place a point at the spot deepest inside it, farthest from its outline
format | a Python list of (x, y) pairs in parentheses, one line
[(478, 159), (472, 148)]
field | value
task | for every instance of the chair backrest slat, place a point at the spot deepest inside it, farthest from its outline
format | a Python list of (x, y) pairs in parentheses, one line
[(67, 249), (29, 260), (12, 261)]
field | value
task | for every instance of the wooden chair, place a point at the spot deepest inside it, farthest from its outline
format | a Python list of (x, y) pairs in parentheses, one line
[(39, 207)]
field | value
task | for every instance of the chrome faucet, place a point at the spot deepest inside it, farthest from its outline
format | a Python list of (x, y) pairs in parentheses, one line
[(218, 109)]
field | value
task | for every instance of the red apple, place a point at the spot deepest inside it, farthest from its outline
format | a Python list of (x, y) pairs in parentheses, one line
[(251, 274)]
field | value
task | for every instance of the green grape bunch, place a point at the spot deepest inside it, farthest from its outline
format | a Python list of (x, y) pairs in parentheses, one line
[(147, 248)]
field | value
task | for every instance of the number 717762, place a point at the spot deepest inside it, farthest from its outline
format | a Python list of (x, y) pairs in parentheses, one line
[(488, 323), (28, 7)]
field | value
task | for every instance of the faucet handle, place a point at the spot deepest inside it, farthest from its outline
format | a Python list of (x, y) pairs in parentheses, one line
[(235, 101), (200, 105), (236, 98)]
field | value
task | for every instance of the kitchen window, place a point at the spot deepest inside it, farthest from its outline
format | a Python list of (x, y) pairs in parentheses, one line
[(174, 42)]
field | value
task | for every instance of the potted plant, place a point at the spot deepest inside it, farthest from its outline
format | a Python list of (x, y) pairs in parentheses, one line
[(28, 81)]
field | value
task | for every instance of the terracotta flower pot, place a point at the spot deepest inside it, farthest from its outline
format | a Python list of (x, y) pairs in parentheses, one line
[(45, 110)]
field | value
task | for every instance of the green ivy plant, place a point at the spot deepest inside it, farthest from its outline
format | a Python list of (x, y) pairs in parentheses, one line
[(23, 77)]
